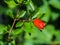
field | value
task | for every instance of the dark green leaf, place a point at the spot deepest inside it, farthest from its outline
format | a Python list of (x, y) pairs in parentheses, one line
[(57, 34), (11, 3), (19, 24), (55, 3), (30, 5), (2, 28), (19, 1), (46, 11), (1, 43), (10, 13), (17, 31), (21, 14), (27, 27), (54, 16)]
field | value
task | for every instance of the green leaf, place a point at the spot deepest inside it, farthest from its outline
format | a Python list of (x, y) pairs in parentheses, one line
[(11, 3), (40, 36), (17, 31), (13, 42), (30, 5), (27, 27), (54, 16), (50, 29), (36, 13), (57, 34), (2, 10), (55, 3), (21, 14), (42, 12), (2, 28), (46, 11), (10, 13), (9, 43), (2, 43), (28, 39), (1, 36), (19, 1), (19, 24)]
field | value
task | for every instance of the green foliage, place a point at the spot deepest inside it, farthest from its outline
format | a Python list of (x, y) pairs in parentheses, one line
[(11, 3), (17, 31), (21, 14), (2, 29), (22, 31), (30, 5), (54, 16), (19, 24), (19, 1), (10, 13), (55, 3)]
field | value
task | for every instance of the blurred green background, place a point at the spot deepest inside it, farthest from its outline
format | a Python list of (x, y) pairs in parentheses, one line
[(24, 32)]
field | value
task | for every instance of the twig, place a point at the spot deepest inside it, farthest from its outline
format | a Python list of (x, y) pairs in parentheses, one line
[(13, 26), (26, 20), (11, 29)]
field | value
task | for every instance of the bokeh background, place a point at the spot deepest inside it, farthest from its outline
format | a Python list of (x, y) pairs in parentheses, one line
[(24, 32)]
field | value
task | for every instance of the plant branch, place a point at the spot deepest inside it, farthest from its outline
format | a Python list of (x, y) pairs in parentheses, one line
[(13, 26), (25, 20), (11, 29)]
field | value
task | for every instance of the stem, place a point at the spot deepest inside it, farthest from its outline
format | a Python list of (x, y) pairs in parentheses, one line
[(13, 26), (11, 29), (26, 20)]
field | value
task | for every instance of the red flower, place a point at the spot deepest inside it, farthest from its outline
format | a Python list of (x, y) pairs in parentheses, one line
[(39, 23)]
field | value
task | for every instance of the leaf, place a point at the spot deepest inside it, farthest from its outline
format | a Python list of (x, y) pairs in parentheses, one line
[(57, 34), (55, 3), (17, 31), (46, 11), (11, 3), (21, 14), (13, 42), (39, 37), (9, 43), (36, 13), (42, 12), (54, 16), (2, 10), (19, 1), (50, 29), (2, 28), (19, 24), (28, 40), (1, 36), (27, 27), (2, 43), (30, 5), (10, 13)]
